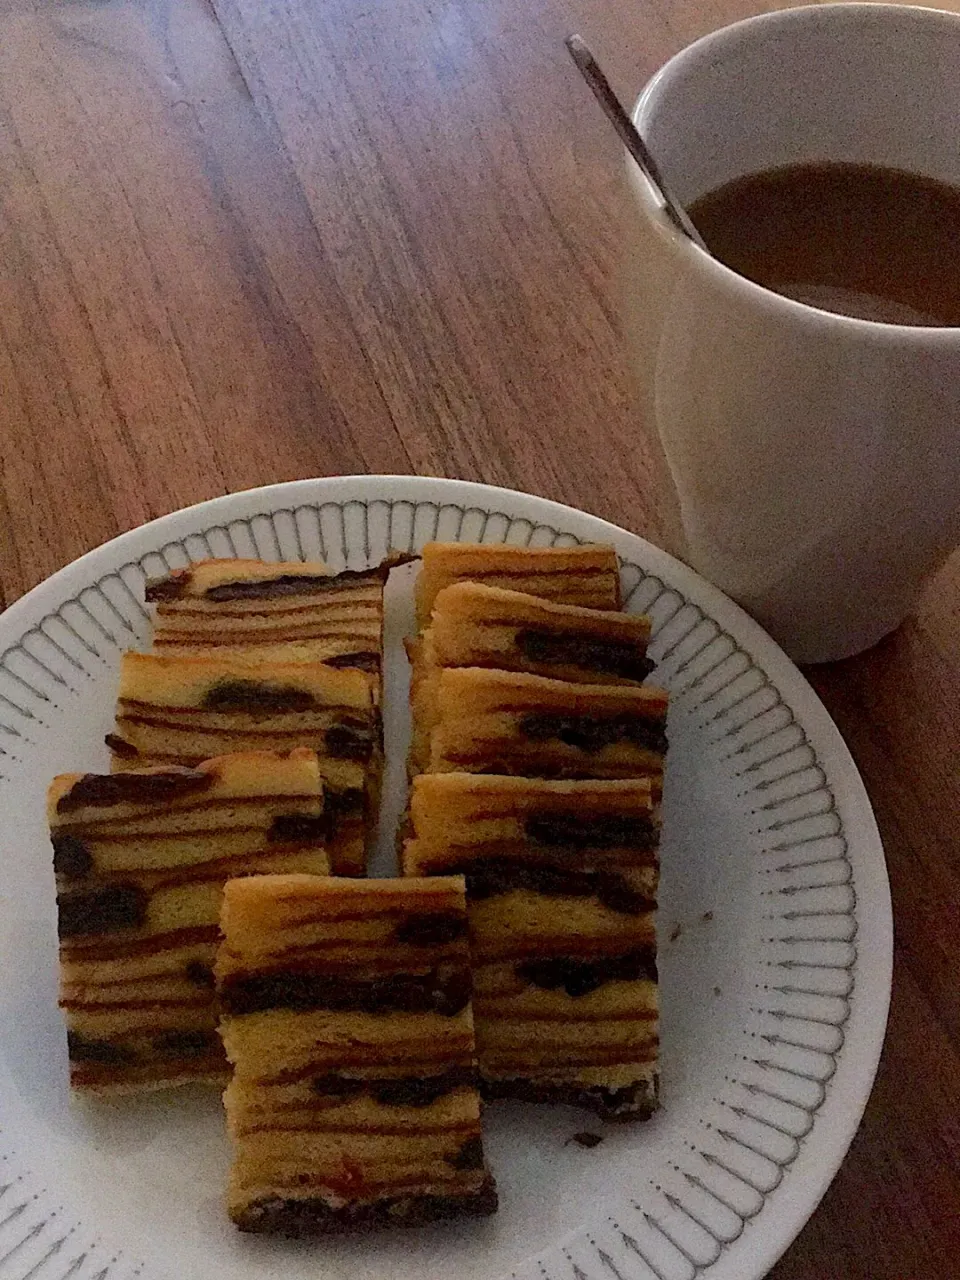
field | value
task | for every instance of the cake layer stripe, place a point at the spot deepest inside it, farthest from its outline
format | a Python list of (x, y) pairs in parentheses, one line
[(119, 949), (497, 950), (496, 876), (263, 860), (113, 1006), (491, 1009), (335, 914), (346, 604), (209, 722), (174, 811), (579, 976), (131, 833), (559, 1055), (468, 859), (397, 1091), (360, 621), (371, 956), (179, 584), (421, 1055), (357, 597), (465, 1129), (434, 992), (136, 1076)]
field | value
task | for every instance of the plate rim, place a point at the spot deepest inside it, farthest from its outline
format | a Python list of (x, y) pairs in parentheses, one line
[(846, 1094)]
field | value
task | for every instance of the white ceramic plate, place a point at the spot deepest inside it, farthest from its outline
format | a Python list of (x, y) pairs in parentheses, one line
[(775, 934)]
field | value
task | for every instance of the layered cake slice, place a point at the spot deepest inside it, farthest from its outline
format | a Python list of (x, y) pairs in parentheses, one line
[(587, 575), (175, 710), (140, 860), (264, 612), (346, 1016), (473, 625), (508, 722), (561, 884)]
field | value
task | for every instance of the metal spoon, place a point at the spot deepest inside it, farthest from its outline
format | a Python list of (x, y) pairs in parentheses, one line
[(631, 138)]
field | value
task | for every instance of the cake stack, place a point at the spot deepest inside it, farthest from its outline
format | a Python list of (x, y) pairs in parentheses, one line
[(141, 859), (249, 743), (537, 763), (363, 1018), (347, 1019), (250, 654)]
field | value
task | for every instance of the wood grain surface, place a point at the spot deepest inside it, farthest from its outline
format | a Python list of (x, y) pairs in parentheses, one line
[(269, 240)]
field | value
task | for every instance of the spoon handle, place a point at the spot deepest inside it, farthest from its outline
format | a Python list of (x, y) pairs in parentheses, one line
[(631, 139)]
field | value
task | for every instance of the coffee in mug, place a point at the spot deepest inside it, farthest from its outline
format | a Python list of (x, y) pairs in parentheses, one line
[(856, 239), (810, 463)]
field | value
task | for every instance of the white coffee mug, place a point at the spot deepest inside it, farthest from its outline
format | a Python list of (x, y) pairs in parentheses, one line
[(812, 460)]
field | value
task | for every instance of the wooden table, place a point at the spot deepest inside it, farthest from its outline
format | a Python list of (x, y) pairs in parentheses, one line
[(267, 239)]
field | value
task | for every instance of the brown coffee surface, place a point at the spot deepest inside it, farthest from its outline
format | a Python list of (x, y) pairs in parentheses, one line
[(861, 240)]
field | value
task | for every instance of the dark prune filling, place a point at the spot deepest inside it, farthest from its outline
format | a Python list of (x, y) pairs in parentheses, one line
[(350, 740), (81, 1049), (410, 1091), (158, 589), (585, 831), (257, 698), (187, 1044), (365, 660), (103, 910), (200, 974), (503, 875), (580, 977), (293, 584), (560, 648), (431, 928), (444, 990), (71, 857), (592, 733), (120, 746), (469, 1156), (301, 828), (101, 790)]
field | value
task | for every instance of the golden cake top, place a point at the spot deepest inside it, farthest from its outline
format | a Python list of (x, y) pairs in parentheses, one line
[(199, 579), (78, 798), (582, 575)]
